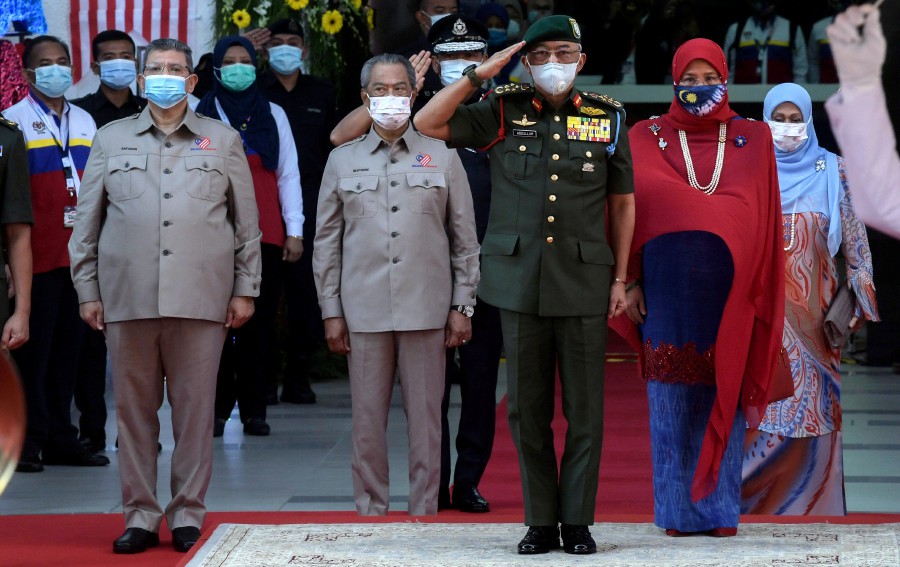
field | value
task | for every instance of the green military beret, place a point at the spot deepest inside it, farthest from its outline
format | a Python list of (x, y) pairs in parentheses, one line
[(553, 28)]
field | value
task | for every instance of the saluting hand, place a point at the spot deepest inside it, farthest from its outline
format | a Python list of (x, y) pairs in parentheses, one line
[(858, 46), (421, 62), (492, 67), (258, 37)]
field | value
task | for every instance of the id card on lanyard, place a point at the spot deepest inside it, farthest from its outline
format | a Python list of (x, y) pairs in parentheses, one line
[(60, 135)]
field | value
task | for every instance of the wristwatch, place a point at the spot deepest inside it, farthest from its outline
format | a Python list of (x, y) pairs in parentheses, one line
[(473, 77), (466, 310)]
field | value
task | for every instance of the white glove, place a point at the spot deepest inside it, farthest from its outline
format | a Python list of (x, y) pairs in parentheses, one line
[(858, 56)]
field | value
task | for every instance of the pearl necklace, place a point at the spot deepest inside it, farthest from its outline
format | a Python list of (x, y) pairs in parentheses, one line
[(793, 228), (689, 163)]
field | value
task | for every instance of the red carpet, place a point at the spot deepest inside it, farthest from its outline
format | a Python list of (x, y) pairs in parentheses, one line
[(625, 473), (624, 493)]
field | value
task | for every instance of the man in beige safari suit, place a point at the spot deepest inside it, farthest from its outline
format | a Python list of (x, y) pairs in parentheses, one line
[(396, 266), (165, 256)]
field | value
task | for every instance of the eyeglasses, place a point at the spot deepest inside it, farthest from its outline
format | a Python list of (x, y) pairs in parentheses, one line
[(690, 81), (542, 56), (174, 69)]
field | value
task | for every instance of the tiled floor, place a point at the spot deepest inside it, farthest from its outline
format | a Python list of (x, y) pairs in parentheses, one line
[(305, 463)]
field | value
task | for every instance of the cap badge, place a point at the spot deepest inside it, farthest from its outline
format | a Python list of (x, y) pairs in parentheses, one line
[(576, 31), (524, 121), (459, 28)]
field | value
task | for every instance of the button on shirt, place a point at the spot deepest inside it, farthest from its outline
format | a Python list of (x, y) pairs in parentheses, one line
[(166, 230), (394, 257)]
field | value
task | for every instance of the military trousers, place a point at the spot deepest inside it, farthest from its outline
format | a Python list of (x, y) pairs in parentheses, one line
[(535, 346)]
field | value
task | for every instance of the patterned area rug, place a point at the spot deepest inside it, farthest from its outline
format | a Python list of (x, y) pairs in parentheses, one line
[(619, 544)]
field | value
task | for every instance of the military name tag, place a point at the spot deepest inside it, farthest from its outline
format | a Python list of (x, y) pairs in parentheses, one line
[(524, 133), (587, 129)]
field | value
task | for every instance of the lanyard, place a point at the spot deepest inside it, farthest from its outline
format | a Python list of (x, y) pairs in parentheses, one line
[(60, 134)]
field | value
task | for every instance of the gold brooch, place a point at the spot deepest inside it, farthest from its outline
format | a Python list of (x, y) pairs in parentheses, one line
[(524, 121)]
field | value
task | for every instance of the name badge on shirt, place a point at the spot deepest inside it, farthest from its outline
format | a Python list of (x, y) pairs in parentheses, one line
[(69, 216), (588, 129)]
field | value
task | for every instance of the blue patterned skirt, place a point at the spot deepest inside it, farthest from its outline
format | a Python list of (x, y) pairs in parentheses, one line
[(687, 278)]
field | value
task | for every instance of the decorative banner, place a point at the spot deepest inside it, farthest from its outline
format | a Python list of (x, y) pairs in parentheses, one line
[(141, 19)]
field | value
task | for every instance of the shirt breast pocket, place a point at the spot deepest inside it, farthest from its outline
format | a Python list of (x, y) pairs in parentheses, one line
[(359, 197), (522, 157), (588, 162), (205, 177), (427, 192), (126, 177)]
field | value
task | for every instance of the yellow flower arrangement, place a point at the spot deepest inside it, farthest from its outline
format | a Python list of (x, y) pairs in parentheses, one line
[(297, 4), (241, 18), (357, 4), (370, 18), (332, 22)]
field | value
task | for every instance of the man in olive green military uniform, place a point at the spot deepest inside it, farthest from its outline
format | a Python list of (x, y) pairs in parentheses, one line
[(559, 156), (16, 217)]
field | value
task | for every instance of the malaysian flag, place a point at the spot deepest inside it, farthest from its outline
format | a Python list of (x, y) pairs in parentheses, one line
[(143, 20)]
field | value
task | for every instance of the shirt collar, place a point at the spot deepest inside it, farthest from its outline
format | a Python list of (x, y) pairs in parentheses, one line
[(145, 121), (46, 108), (373, 141)]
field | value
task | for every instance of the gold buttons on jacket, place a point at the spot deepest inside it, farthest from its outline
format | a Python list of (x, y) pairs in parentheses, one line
[(554, 177), (556, 136), (554, 157), (522, 148), (552, 198), (549, 240), (551, 218)]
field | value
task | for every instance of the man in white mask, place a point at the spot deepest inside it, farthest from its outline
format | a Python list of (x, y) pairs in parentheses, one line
[(559, 159), (429, 13), (396, 265)]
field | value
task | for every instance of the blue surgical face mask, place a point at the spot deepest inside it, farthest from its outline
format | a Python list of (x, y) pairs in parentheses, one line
[(513, 29), (435, 17), (285, 59), (496, 36), (53, 80), (117, 73), (702, 99), (165, 91)]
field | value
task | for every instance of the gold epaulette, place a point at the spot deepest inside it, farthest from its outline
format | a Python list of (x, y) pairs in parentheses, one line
[(512, 88), (8, 123), (602, 98)]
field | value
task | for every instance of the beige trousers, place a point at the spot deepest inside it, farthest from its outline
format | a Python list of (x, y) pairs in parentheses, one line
[(419, 359), (186, 353)]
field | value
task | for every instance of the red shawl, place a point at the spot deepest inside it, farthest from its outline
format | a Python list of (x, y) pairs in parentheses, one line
[(745, 211)]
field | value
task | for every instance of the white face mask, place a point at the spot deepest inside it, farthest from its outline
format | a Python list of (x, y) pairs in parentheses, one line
[(389, 112), (451, 70), (788, 136), (435, 17), (554, 78)]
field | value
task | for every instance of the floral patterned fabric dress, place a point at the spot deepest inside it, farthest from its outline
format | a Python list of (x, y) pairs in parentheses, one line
[(793, 464)]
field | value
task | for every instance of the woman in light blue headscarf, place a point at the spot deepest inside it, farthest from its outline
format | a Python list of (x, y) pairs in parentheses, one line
[(793, 463)]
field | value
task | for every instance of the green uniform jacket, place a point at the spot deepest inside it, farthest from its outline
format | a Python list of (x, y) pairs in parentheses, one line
[(545, 251), (15, 195)]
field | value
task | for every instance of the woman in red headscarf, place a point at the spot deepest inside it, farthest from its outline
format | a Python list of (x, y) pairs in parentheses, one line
[(705, 290)]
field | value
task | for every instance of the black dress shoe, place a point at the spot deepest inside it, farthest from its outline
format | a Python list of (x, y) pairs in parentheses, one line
[(539, 539), (257, 426), (135, 540), (219, 427), (93, 445), (577, 540), (466, 498), (29, 463), (184, 538), (80, 458)]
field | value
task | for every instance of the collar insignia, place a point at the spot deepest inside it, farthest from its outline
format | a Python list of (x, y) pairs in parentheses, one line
[(459, 28), (524, 121), (591, 111)]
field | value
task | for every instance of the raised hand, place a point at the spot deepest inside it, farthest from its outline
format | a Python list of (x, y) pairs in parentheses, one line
[(492, 67), (421, 62), (858, 46)]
